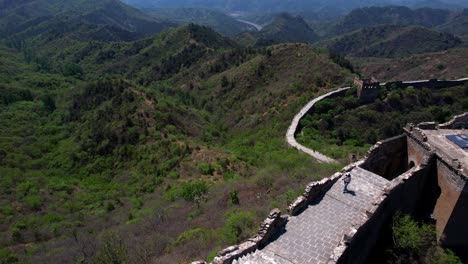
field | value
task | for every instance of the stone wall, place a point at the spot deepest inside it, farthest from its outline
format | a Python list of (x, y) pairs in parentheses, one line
[(403, 194), (388, 158), (451, 209), (458, 122), (433, 83), (272, 224), (312, 191), (417, 144)]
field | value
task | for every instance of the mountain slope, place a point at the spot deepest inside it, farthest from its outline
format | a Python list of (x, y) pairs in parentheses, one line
[(392, 41), (394, 15), (115, 142), (217, 20), (449, 64), (17, 16), (457, 24), (285, 28)]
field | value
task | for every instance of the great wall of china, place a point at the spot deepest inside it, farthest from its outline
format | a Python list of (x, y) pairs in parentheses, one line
[(419, 172)]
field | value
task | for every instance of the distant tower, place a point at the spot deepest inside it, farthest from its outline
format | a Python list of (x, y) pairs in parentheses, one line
[(367, 89)]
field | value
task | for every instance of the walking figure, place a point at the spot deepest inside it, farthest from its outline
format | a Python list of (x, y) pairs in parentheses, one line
[(346, 180)]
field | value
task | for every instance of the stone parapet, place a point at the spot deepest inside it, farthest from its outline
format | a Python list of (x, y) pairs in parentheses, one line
[(269, 227), (458, 122), (312, 191), (417, 135)]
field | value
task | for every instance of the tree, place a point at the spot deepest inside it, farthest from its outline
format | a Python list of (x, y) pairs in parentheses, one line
[(49, 103), (224, 81)]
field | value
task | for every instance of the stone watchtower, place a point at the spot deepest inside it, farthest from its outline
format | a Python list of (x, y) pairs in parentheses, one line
[(367, 89)]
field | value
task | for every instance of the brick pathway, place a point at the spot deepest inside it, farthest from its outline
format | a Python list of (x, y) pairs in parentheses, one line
[(312, 236), (290, 134)]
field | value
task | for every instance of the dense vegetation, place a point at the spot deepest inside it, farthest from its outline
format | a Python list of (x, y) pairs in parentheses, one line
[(343, 126), (161, 149), (118, 146), (17, 16), (449, 65), (415, 242)]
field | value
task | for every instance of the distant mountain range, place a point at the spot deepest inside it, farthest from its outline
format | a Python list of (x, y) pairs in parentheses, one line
[(449, 21), (284, 28), (15, 16), (392, 41), (294, 5), (217, 20)]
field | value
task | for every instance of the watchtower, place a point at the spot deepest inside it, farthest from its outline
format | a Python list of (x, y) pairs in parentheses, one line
[(367, 89)]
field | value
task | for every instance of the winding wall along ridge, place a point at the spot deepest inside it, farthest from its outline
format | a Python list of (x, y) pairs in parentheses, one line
[(290, 134)]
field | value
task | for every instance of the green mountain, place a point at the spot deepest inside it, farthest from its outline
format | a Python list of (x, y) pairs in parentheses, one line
[(285, 28), (392, 41), (448, 64), (393, 15), (217, 20), (134, 146), (457, 24), (16, 16)]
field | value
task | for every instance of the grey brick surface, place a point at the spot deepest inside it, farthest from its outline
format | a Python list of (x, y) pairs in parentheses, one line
[(311, 236)]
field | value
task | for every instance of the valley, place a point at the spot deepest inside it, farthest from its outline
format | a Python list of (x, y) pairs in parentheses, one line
[(155, 133)]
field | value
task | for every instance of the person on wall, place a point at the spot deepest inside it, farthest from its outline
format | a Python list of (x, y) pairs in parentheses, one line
[(346, 180)]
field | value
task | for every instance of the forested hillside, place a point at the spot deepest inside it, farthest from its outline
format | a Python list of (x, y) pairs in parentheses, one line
[(392, 41), (125, 139), (17, 16), (162, 149)]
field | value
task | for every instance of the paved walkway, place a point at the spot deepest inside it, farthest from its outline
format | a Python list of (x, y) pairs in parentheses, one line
[(290, 134), (312, 236)]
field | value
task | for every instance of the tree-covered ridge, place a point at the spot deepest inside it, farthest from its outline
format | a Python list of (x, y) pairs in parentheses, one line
[(390, 15), (17, 16), (393, 41), (164, 141)]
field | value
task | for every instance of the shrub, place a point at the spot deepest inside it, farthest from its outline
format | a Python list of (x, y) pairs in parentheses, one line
[(109, 205), (190, 191), (238, 226), (234, 197), (111, 250), (231, 176), (205, 168), (34, 202), (6, 256)]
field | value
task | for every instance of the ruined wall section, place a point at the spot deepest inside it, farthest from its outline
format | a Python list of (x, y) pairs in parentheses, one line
[(272, 224), (451, 209), (388, 158), (458, 122), (417, 144)]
